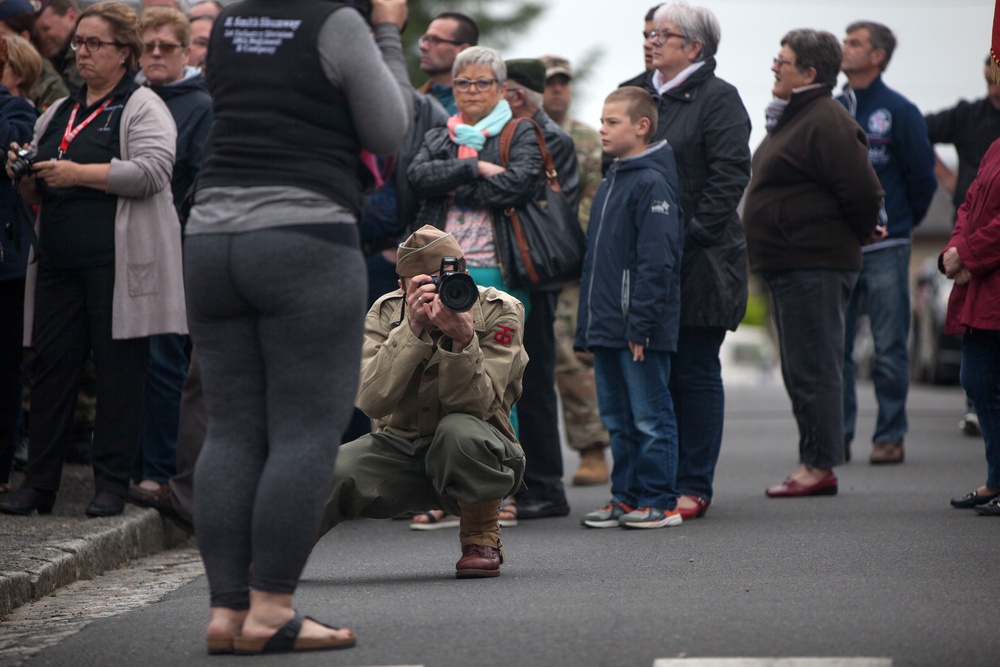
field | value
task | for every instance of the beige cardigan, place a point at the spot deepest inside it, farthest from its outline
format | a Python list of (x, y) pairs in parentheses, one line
[(149, 284)]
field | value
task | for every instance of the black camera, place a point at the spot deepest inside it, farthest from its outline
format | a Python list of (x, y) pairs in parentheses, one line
[(22, 166), (456, 289)]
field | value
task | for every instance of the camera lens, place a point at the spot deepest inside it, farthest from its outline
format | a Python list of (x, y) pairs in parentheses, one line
[(457, 292)]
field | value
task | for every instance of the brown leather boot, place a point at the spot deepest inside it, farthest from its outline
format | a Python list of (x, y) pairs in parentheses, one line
[(478, 561), (593, 468), (887, 452), (479, 532)]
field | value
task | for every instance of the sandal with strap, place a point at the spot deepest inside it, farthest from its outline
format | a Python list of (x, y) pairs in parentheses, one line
[(508, 512), (287, 640), (219, 645), (434, 520)]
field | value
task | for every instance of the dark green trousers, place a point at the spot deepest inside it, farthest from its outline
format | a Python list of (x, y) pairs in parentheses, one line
[(466, 460)]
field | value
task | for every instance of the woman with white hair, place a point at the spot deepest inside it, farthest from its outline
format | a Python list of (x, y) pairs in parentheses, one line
[(458, 175), (705, 122)]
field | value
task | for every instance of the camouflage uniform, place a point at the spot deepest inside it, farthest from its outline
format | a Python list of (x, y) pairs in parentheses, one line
[(575, 372), (49, 87), (65, 65)]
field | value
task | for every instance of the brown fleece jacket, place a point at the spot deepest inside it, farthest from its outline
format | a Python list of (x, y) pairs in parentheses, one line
[(814, 197)]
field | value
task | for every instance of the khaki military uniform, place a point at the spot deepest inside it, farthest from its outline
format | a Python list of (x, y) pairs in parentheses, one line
[(443, 435), (575, 372)]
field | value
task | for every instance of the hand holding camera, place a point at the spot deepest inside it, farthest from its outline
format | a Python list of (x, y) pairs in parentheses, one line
[(20, 161), (443, 302)]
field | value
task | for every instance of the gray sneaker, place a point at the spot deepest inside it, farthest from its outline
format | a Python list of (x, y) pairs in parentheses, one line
[(607, 516), (650, 517)]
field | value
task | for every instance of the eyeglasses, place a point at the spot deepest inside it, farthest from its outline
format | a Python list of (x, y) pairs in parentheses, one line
[(92, 43), (431, 41), (479, 85), (166, 48), (659, 37), (780, 62)]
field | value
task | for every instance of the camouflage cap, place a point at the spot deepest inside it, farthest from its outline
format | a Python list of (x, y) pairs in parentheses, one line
[(556, 65), (423, 251)]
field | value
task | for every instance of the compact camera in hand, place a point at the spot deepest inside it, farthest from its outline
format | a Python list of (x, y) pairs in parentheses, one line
[(25, 159), (456, 289)]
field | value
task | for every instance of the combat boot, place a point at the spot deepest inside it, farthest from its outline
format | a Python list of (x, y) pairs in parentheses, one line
[(479, 533), (593, 468)]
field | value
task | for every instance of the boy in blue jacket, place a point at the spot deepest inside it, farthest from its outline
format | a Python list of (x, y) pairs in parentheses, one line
[(630, 312)]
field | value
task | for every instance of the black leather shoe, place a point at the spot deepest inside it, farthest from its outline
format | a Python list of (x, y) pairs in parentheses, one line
[(105, 503), (26, 500), (540, 509), (991, 508), (971, 500)]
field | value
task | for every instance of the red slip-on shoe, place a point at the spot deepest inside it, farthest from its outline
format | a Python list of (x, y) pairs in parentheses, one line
[(688, 513), (792, 489)]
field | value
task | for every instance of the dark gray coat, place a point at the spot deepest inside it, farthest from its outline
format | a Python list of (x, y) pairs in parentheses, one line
[(706, 124)]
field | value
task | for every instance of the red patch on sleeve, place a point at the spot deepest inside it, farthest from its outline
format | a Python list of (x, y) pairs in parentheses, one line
[(504, 335)]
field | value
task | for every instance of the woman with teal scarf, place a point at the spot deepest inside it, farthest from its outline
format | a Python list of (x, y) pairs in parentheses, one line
[(464, 189), (458, 176)]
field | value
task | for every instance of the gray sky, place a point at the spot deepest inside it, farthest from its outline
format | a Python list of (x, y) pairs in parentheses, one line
[(941, 45)]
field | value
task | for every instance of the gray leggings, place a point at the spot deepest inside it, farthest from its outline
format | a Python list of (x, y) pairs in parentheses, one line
[(277, 316)]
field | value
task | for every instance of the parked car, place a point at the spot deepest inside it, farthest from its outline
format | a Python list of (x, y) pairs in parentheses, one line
[(749, 357), (935, 357)]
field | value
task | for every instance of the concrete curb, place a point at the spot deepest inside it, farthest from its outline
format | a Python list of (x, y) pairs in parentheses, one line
[(65, 559)]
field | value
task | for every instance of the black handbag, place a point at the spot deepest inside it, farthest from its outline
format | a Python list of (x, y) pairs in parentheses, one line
[(545, 236)]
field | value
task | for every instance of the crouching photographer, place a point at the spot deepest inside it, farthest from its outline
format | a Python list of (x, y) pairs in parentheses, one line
[(439, 385)]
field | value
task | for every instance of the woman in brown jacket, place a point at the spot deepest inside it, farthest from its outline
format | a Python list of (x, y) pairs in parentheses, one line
[(813, 200)]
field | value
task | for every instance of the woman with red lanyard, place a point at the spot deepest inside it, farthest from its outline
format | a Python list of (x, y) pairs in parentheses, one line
[(107, 270)]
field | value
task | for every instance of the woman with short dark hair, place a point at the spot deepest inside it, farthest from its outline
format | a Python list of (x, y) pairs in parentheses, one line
[(814, 200), (108, 273)]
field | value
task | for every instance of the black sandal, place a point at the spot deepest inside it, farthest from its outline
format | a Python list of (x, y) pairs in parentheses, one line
[(286, 640)]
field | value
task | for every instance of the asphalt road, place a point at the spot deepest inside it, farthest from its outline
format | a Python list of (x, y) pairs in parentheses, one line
[(886, 569)]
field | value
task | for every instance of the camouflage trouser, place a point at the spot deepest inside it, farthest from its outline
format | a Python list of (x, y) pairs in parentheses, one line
[(575, 378)]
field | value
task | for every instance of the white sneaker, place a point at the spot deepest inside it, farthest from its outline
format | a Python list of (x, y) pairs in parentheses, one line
[(969, 425)]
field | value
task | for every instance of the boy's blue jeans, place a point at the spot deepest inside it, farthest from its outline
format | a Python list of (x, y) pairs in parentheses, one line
[(636, 408)]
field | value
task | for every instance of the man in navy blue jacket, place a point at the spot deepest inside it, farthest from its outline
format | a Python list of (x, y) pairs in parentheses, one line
[(903, 158)]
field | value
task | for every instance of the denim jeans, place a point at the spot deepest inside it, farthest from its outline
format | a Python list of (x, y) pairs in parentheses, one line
[(808, 307), (636, 408), (981, 380), (168, 364), (884, 284), (700, 404)]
